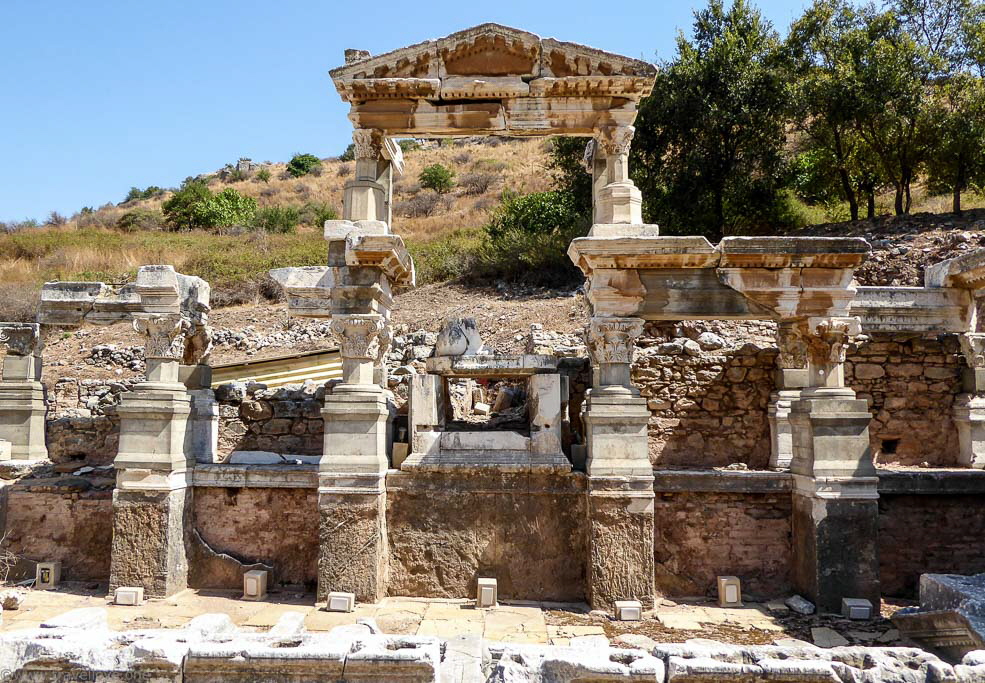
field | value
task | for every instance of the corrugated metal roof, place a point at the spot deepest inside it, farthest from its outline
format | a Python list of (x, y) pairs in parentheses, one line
[(318, 366)]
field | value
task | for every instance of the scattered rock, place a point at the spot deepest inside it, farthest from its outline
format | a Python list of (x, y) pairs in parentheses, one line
[(800, 605), (827, 637)]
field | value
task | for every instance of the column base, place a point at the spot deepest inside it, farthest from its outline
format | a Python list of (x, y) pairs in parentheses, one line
[(620, 538), (149, 532), (616, 430), (22, 420), (969, 420)]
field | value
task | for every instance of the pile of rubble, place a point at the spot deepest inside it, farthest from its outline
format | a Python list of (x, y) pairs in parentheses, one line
[(250, 340), (111, 356), (211, 647)]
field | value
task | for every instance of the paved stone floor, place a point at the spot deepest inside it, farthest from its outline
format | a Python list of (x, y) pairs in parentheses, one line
[(520, 622)]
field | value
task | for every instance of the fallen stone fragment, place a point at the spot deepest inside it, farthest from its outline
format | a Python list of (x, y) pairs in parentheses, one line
[(11, 599), (800, 605), (827, 637)]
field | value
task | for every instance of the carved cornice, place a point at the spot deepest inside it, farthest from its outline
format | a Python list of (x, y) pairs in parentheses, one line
[(611, 340), (361, 335), (165, 335), (21, 339)]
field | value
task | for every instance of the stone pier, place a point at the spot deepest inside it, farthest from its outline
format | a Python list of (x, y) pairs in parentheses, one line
[(22, 407), (620, 477)]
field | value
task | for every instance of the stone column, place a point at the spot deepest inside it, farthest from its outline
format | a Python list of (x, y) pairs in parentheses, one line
[(791, 378), (351, 479), (835, 499), (367, 196), (22, 407), (152, 498), (620, 476), (969, 407), (620, 201)]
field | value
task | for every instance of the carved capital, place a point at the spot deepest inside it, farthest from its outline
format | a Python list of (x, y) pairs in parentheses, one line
[(610, 340), (363, 336), (973, 349), (615, 141), (165, 335), (21, 339), (792, 343), (369, 143), (828, 339)]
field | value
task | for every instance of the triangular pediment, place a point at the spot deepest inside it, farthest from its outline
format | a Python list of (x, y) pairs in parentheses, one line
[(491, 51)]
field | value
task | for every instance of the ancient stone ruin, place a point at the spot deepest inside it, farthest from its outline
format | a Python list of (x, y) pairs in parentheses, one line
[(603, 492)]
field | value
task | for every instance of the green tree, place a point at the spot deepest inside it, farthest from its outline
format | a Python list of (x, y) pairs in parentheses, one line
[(707, 154), (277, 219), (438, 178), (222, 210), (349, 154), (263, 175), (302, 164), (179, 209), (956, 160), (566, 164)]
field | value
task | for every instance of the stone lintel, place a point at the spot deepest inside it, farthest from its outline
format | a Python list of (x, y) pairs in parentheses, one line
[(721, 481), (386, 252), (931, 482), (914, 309), (966, 272), (256, 476), (495, 366), (792, 252)]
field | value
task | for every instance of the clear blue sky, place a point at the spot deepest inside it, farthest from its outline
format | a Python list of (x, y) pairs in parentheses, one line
[(97, 96)]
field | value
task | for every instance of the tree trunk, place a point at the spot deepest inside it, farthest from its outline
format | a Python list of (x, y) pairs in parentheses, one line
[(898, 200), (956, 201), (871, 201), (846, 187)]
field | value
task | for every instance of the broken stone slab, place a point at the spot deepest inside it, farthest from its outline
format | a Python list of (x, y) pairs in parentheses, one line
[(497, 366), (87, 618), (827, 637), (800, 605), (951, 616)]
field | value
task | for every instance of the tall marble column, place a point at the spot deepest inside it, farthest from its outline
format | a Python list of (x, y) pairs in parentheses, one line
[(368, 195), (835, 498), (153, 495), (620, 476), (22, 407), (351, 480), (619, 201)]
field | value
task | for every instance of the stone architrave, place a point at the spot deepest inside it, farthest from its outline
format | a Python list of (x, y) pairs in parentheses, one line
[(620, 476), (835, 499), (152, 499), (22, 406)]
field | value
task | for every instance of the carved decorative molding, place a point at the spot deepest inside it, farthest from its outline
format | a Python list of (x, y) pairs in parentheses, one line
[(790, 338), (165, 335), (21, 339), (610, 340), (362, 336), (973, 349), (615, 141), (828, 339), (368, 143)]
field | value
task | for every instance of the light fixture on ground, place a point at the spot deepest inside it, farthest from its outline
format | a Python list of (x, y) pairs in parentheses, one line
[(341, 602), (255, 584)]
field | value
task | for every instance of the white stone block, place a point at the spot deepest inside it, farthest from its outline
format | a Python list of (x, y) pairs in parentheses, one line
[(255, 584), (486, 594), (341, 602), (629, 610), (130, 596), (856, 608), (729, 591), (481, 408), (400, 451), (47, 575), (4, 449)]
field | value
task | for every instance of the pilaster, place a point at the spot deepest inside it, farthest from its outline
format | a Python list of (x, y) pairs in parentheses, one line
[(153, 468), (22, 406), (835, 497), (790, 379), (620, 476), (969, 407)]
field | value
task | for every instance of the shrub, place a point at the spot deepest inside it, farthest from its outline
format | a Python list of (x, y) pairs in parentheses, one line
[(270, 192), (277, 219), (462, 158), (55, 218), (408, 145), (140, 219), (136, 193), (263, 175), (344, 170), (477, 183), (490, 165), (316, 213), (349, 154), (418, 206), (438, 178), (227, 208), (302, 164), (454, 256), (179, 209)]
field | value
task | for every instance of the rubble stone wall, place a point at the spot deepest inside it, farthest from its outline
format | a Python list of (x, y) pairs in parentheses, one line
[(910, 382), (45, 523), (699, 536), (286, 421), (707, 391), (277, 527), (527, 530), (921, 534)]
